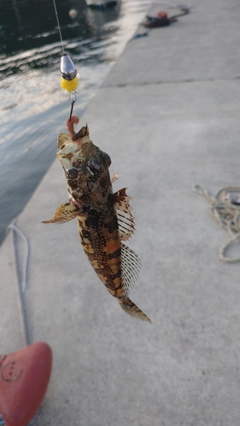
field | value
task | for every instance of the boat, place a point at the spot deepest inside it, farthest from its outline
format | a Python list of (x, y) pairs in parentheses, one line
[(163, 20), (101, 3)]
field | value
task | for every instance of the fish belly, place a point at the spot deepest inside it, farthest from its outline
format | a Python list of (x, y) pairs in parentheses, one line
[(101, 242)]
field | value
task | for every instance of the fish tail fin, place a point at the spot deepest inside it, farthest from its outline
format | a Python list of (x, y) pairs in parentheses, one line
[(130, 308)]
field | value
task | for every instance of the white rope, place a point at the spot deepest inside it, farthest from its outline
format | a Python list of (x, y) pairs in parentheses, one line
[(224, 207), (21, 274)]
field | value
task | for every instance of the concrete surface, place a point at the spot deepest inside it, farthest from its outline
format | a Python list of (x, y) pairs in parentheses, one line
[(168, 115)]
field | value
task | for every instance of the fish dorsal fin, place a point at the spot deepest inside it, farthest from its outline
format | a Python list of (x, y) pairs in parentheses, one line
[(124, 214), (130, 268)]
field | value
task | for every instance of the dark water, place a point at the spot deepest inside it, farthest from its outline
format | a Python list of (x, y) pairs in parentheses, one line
[(33, 107)]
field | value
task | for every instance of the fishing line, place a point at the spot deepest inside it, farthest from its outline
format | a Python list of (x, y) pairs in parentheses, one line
[(58, 24), (69, 76)]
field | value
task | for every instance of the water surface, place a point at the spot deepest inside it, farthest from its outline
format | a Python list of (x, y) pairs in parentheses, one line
[(33, 108)]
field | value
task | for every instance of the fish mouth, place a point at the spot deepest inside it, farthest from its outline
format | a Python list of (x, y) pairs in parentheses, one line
[(67, 149), (68, 157)]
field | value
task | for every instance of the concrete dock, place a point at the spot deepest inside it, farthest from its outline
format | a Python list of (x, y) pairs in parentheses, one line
[(168, 116)]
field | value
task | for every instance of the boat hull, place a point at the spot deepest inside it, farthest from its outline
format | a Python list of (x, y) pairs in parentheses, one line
[(101, 3)]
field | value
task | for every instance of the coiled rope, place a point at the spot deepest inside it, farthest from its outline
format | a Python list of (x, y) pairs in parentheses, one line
[(224, 207)]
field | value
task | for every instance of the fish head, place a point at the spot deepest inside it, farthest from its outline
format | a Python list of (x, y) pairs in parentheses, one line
[(86, 169)]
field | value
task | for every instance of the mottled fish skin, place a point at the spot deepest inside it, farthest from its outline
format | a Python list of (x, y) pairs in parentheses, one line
[(104, 252), (86, 170), (94, 205)]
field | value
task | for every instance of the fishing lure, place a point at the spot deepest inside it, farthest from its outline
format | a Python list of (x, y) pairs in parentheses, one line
[(104, 219), (69, 77)]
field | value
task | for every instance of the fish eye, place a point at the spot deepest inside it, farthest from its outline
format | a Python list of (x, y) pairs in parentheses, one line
[(93, 167), (72, 173), (107, 158)]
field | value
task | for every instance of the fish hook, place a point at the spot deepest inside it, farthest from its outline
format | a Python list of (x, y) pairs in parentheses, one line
[(72, 98)]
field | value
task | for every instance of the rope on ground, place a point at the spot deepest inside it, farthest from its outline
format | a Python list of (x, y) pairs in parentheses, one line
[(21, 266), (224, 207)]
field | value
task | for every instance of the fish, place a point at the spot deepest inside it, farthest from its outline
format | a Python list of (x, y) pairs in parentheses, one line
[(105, 219)]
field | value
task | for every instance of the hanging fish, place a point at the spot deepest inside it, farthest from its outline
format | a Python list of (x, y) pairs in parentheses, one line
[(104, 218)]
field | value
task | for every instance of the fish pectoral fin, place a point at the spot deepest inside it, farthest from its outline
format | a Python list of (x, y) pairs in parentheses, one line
[(63, 214), (115, 177), (124, 214)]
